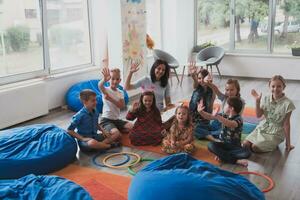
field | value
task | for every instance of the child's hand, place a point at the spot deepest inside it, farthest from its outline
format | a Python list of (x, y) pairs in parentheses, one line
[(256, 95), (106, 74), (208, 79), (173, 144), (164, 132), (135, 66), (134, 106), (200, 107), (216, 111), (192, 67), (289, 148)]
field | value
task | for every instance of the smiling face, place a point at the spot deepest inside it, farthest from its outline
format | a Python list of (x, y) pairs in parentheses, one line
[(231, 90), (115, 80), (182, 115), (200, 79), (159, 71), (148, 101), (277, 88)]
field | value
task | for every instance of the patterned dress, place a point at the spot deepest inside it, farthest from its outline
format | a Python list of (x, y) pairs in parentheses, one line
[(185, 134), (270, 132), (147, 128)]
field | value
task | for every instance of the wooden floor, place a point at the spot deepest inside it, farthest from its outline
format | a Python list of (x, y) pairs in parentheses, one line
[(283, 168)]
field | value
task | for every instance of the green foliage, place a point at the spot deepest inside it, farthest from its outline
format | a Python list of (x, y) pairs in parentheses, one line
[(64, 37), (18, 38)]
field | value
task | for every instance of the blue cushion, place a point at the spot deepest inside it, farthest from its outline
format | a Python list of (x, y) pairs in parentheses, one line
[(180, 176), (42, 187), (35, 149), (72, 96)]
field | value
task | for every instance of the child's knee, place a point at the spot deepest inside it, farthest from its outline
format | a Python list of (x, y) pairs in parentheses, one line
[(115, 133)]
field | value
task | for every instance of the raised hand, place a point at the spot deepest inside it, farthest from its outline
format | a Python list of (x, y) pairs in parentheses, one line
[(200, 106), (289, 148), (208, 79), (216, 111), (134, 66), (134, 106), (192, 67), (256, 95), (106, 74)]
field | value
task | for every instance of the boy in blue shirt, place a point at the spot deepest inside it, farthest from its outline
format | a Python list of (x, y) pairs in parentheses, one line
[(86, 123)]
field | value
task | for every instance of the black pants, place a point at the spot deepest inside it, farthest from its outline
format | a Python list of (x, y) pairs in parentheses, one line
[(228, 153)]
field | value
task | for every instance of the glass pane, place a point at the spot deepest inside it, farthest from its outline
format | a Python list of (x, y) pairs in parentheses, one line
[(68, 33), (251, 22), (287, 26), (213, 22), (20, 37)]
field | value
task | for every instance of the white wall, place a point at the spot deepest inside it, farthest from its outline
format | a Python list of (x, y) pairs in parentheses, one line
[(178, 28)]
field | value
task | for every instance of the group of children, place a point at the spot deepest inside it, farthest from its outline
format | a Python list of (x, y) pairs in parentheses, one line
[(200, 119)]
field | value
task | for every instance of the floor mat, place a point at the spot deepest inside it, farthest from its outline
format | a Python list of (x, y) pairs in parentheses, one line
[(100, 185), (201, 152)]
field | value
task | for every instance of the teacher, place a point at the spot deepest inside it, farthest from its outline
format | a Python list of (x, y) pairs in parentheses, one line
[(156, 82)]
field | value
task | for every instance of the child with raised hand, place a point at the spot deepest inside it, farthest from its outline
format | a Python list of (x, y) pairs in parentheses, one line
[(86, 123), (113, 102), (229, 148), (147, 129), (232, 89), (203, 93), (180, 136), (275, 127)]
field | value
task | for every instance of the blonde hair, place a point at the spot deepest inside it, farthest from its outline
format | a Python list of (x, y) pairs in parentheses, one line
[(116, 70), (278, 77), (188, 122)]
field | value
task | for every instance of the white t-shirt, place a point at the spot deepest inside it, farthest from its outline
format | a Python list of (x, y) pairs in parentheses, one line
[(160, 92), (110, 110)]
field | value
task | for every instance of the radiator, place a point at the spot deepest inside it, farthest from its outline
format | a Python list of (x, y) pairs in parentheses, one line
[(22, 103)]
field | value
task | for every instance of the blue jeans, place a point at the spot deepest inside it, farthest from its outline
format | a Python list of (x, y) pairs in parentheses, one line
[(228, 153), (202, 130)]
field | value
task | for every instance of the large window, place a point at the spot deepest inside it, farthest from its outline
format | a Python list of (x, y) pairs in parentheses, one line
[(39, 37), (249, 25), (20, 38), (68, 33)]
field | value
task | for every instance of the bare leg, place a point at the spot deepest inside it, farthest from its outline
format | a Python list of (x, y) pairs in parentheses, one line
[(242, 162), (97, 145)]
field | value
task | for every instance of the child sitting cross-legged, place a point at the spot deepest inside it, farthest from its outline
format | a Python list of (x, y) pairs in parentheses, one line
[(113, 102), (86, 123), (180, 136), (229, 148), (147, 129)]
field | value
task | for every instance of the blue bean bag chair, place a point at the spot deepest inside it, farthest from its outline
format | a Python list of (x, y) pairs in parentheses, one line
[(181, 177), (42, 187), (72, 96), (35, 149)]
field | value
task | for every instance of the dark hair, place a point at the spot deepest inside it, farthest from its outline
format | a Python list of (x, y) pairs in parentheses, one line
[(165, 78), (236, 103), (86, 94), (142, 107), (203, 72), (236, 85), (189, 117)]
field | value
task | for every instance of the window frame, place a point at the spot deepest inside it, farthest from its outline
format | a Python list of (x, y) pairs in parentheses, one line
[(232, 50), (46, 67)]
